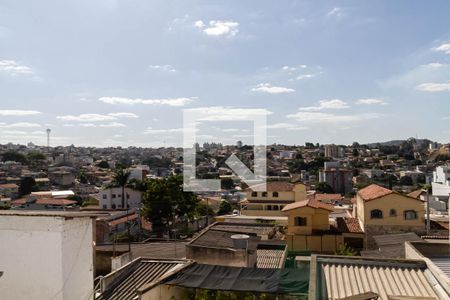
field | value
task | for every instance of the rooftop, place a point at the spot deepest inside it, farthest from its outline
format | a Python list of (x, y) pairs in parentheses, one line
[(373, 191), (40, 213), (388, 278), (275, 186), (308, 203)]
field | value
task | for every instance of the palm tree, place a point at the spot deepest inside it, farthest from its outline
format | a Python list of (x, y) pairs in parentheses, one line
[(120, 178)]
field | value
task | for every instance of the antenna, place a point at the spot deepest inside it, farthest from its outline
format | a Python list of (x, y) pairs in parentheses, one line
[(48, 137)]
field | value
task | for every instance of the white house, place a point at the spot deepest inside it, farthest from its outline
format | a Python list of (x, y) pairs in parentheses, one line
[(46, 255), (441, 184), (111, 198)]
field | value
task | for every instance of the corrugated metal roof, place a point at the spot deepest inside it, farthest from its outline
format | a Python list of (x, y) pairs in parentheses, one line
[(269, 258), (145, 271), (443, 263), (342, 278)]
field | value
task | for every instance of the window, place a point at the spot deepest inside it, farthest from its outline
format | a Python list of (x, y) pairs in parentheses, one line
[(376, 214), (275, 207), (113, 206), (254, 194), (275, 194), (300, 221), (104, 206), (410, 215), (104, 196), (392, 213), (269, 207), (264, 194), (113, 196)]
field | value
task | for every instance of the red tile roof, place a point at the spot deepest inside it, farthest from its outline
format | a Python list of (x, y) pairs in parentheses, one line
[(373, 191), (308, 203), (416, 194), (276, 186), (9, 186), (350, 225), (327, 197), (46, 201)]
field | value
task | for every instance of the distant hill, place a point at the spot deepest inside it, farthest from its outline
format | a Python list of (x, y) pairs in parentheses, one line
[(397, 142)]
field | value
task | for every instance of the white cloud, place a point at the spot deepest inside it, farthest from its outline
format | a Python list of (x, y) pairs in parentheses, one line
[(320, 117), (199, 24), (218, 28), (87, 118), (163, 68), (19, 112), (336, 12), (291, 69), (14, 132), (151, 130), (433, 87), (285, 126), (14, 68), (443, 48), (435, 65), (19, 125), (131, 101), (370, 101), (229, 130), (326, 104), (224, 113), (123, 115), (305, 76), (268, 88), (112, 125)]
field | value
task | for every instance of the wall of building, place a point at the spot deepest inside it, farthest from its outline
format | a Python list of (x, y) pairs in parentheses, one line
[(316, 219), (113, 196), (162, 292), (319, 243), (393, 201), (222, 256), (46, 257)]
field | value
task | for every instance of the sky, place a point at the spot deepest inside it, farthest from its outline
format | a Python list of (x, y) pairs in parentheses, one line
[(123, 73)]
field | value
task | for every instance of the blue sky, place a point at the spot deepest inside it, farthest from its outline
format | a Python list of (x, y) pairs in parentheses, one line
[(121, 73)]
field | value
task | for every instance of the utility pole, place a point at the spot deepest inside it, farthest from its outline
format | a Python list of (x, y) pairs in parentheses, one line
[(428, 211)]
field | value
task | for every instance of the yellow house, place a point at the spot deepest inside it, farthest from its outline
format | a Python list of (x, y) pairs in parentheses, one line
[(273, 200), (309, 228), (382, 211)]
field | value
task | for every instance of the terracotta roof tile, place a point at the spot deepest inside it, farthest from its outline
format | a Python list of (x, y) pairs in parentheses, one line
[(308, 203), (327, 197), (373, 191), (416, 194), (276, 186), (349, 225)]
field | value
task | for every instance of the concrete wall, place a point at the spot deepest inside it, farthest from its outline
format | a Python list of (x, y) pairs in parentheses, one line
[(222, 256), (317, 243), (46, 257)]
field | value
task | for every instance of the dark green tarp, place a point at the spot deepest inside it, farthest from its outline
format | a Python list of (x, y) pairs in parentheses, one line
[(277, 281)]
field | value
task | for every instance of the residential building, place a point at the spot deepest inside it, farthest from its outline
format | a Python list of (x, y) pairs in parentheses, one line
[(334, 151), (33, 203), (111, 198), (380, 211), (338, 178), (62, 178), (441, 184), (309, 228), (270, 202), (46, 255), (9, 190)]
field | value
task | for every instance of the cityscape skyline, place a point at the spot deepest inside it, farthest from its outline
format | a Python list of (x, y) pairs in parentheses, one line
[(100, 74)]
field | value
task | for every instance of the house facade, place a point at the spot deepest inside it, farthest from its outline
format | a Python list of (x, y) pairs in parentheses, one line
[(273, 200), (381, 211), (111, 198)]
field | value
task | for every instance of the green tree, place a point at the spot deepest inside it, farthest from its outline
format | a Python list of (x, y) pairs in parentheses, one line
[(165, 202), (14, 156), (103, 164), (35, 155), (324, 187), (120, 179), (227, 183), (406, 180), (224, 208), (344, 249)]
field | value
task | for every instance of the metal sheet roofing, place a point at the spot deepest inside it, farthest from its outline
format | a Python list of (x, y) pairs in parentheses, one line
[(345, 277), (124, 286), (442, 262), (269, 258)]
